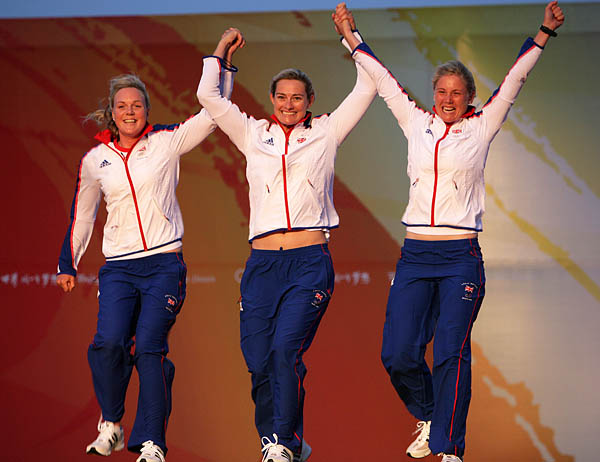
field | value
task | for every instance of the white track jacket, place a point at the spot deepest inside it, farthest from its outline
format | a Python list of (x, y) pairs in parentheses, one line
[(446, 162), (138, 185), (290, 175)]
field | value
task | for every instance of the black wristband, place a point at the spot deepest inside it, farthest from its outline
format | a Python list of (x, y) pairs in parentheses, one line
[(547, 30)]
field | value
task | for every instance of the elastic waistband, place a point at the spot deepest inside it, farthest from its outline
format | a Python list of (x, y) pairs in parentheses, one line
[(155, 259), (309, 250), (452, 244)]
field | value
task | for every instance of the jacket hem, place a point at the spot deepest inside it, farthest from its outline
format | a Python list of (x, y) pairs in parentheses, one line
[(172, 245), (467, 228)]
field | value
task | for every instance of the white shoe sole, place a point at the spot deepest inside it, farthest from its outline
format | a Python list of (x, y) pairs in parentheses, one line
[(419, 454), (92, 449)]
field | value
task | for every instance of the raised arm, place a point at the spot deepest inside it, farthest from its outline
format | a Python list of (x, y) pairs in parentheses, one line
[(496, 108), (553, 19), (345, 25), (354, 106), (387, 86), (187, 135), (227, 52), (227, 115)]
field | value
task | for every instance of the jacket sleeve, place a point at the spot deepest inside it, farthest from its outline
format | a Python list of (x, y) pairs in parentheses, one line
[(83, 215), (227, 115), (187, 135), (226, 81), (394, 95), (495, 110), (343, 119)]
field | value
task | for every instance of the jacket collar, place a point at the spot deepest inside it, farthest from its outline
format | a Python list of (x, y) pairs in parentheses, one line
[(105, 136), (306, 121), (468, 113)]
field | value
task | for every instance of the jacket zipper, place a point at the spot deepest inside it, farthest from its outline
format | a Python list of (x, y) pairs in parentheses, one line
[(283, 166), (284, 173), (435, 174), (135, 202)]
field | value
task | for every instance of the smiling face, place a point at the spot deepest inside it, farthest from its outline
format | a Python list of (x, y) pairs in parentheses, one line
[(130, 115), (290, 101), (451, 98)]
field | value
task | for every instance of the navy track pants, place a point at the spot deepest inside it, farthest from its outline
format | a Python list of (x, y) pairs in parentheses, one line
[(284, 296), (437, 290), (139, 300)]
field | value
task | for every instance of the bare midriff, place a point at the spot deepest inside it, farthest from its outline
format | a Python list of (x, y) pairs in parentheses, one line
[(284, 240), (439, 237), (179, 249)]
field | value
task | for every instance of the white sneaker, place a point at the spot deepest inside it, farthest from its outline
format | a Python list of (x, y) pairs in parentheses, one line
[(449, 457), (109, 439), (420, 447), (151, 453), (304, 453), (275, 452)]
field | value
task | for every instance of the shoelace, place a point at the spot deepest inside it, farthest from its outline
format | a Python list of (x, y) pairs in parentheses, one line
[(107, 431), (100, 422), (422, 428), (268, 444), (151, 450)]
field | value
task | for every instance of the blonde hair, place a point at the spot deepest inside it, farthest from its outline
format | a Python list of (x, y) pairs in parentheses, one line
[(459, 69), (103, 116)]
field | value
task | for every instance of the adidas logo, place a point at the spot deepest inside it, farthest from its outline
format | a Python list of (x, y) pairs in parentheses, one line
[(269, 142), (105, 163)]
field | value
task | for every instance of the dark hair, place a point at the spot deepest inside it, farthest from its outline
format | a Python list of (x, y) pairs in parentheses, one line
[(459, 69), (103, 116), (293, 74)]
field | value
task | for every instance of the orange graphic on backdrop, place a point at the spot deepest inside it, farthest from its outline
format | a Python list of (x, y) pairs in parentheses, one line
[(54, 71)]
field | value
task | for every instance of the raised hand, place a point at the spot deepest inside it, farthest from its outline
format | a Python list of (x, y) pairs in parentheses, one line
[(553, 16), (231, 40), (343, 20), (344, 24)]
